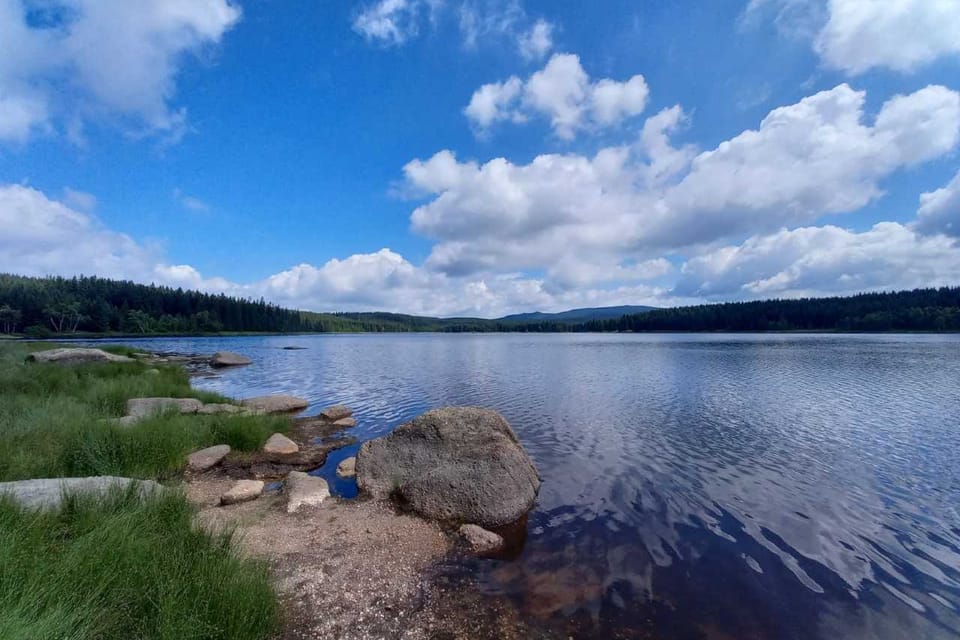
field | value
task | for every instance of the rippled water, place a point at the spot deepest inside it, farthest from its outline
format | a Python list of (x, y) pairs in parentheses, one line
[(770, 486)]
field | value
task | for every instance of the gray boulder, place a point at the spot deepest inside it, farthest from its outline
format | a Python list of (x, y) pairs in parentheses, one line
[(457, 464), (76, 356), (275, 404), (336, 412), (143, 407), (216, 407), (242, 491), (281, 444), (304, 490), (48, 493), (206, 458), (345, 423), (228, 359)]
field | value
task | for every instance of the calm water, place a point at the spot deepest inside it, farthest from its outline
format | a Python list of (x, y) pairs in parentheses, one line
[(694, 486)]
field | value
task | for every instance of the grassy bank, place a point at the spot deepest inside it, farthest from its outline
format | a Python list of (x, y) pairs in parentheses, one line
[(52, 420), (117, 566)]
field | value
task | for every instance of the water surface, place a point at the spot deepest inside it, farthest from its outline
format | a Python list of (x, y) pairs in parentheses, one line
[(694, 486)]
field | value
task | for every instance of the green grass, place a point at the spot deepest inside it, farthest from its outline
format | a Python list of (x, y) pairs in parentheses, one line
[(52, 420), (118, 567)]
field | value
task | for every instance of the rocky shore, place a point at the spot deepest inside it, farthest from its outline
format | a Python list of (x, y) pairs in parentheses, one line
[(449, 482)]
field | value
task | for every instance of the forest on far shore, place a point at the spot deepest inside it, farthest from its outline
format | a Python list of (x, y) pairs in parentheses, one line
[(83, 305)]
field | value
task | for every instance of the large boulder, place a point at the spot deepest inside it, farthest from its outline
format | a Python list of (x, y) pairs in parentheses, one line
[(275, 404), (457, 464), (143, 407), (76, 355), (48, 493), (228, 359)]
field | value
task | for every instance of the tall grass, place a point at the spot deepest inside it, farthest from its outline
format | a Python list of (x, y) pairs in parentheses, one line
[(52, 420), (119, 567)]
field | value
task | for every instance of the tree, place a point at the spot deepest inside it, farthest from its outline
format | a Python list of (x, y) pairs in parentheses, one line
[(9, 318)]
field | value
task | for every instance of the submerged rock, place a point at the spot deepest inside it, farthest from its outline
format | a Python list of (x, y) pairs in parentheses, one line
[(457, 464), (242, 491), (304, 490), (347, 468), (276, 404), (336, 412), (279, 443), (48, 493), (206, 458), (143, 407), (228, 359), (78, 355), (479, 540), (345, 423)]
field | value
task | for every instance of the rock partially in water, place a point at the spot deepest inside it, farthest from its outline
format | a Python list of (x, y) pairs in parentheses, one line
[(219, 407), (304, 490), (76, 356), (347, 468), (242, 491), (228, 359), (336, 412), (48, 493), (345, 423), (456, 464), (281, 444), (479, 540), (207, 458), (276, 404), (294, 348), (144, 407)]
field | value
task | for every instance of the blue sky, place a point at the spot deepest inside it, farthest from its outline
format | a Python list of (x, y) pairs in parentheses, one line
[(483, 156)]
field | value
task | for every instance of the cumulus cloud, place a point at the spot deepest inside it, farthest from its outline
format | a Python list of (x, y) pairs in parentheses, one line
[(855, 36), (537, 41), (390, 22), (813, 261), (563, 92), (191, 203), (81, 59), (807, 160), (939, 211)]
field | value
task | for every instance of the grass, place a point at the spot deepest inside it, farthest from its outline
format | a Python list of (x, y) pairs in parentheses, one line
[(118, 567), (52, 418)]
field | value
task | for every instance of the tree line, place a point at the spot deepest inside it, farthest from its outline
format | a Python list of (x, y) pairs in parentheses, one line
[(90, 305)]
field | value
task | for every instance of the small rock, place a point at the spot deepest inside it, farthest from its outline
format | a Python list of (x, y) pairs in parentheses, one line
[(70, 356), (143, 407), (305, 490), (276, 404), (216, 407), (347, 468), (242, 491), (228, 359), (479, 540), (152, 372), (345, 423), (48, 493), (125, 421), (207, 458), (279, 443), (336, 412)]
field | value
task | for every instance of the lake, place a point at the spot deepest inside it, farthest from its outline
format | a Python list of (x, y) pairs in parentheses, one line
[(694, 486)]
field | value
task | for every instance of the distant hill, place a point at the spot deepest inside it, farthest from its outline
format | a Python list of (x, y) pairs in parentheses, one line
[(578, 315)]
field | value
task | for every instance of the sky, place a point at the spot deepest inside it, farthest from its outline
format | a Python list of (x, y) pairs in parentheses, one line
[(483, 157)]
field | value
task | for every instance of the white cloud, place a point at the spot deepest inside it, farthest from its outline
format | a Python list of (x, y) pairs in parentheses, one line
[(563, 92), (940, 210), (537, 41), (899, 34), (93, 59), (190, 202), (813, 261), (807, 160), (390, 22), (80, 200)]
